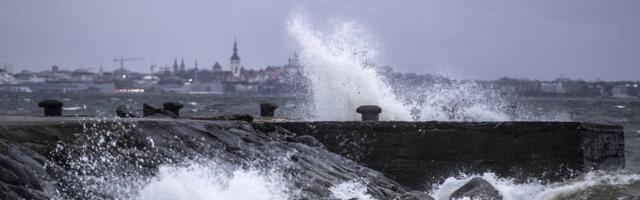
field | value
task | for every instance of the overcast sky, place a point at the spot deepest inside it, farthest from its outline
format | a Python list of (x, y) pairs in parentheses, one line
[(586, 39)]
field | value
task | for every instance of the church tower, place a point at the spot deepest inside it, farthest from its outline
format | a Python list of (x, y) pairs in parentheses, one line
[(175, 66), (235, 61), (182, 66)]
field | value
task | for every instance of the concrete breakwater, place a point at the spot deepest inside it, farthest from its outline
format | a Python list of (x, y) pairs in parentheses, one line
[(97, 158), (419, 154)]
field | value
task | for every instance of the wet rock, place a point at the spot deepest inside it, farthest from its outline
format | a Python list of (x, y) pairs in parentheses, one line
[(477, 188), (294, 158), (124, 111), (23, 174), (415, 195), (86, 146), (310, 141)]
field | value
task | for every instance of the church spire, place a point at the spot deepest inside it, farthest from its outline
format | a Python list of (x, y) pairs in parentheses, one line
[(235, 51), (182, 66), (175, 65), (235, 61)]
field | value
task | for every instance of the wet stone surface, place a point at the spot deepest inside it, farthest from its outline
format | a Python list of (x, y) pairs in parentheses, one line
[(93, 158)]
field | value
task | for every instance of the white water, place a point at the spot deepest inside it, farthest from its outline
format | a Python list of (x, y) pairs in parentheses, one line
[(334, 62), (211, 182), (199, 181), (98, 173), (338, 58), (354, 189), (534, 190)]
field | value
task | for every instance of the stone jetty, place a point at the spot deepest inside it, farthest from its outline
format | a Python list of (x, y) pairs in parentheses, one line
[(46, 157), (419, 154)]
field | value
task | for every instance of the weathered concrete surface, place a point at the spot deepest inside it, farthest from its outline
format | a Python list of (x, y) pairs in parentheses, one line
[(418, 154), (98, 158)]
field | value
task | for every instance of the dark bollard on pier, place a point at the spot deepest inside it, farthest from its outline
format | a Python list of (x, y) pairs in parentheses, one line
[(51, 107), (267, 109), (173, 107), (150, 111), (369, 112), (125, 112)]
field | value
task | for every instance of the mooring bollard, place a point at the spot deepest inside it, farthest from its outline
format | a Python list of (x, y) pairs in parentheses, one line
[(369, 112), (51, 107), (124, 111), (267, 109), (173, 107)]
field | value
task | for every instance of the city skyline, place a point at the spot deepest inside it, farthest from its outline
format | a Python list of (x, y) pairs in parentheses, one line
[(479, 40)]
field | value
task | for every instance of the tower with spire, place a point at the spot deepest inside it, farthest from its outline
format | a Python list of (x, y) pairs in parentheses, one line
[(175, 65), (182, 66), (235, 61)]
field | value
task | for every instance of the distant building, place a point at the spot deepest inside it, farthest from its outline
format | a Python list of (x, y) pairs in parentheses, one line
[(293, 65), (620, 91), (595, 90), (508, 89), (234, 62), (553, 88), (216, 67), (82, 76)]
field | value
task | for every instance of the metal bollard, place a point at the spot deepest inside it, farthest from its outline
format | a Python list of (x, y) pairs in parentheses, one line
[(124, 111), (267, 109), (369, 112), (173, 107), (51, 107)]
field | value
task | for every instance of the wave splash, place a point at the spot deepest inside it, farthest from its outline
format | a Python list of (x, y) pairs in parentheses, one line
[(339, 64), (593, 185), (198, 181), (335, 66)]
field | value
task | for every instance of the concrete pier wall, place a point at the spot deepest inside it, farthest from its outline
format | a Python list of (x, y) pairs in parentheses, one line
[(418, 154)]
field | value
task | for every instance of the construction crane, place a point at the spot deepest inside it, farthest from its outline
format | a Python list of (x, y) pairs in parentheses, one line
[(122, 59)]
